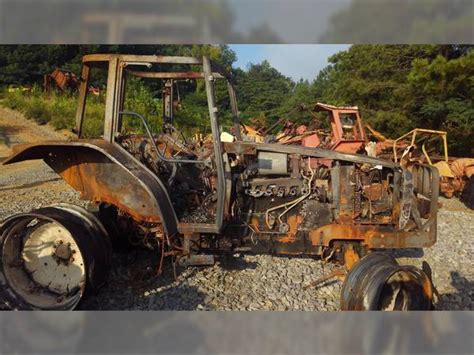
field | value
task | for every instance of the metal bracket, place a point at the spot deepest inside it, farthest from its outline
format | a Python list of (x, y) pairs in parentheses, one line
[(196, 260)]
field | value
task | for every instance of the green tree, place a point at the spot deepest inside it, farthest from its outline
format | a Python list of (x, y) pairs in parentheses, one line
[(261, 91), (443, 92)]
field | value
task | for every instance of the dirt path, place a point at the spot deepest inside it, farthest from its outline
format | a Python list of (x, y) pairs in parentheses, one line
[(30, 183), (16, 129)]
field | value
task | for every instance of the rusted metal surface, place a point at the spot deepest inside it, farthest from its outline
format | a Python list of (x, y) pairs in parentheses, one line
[(351, 257), (65, 80), (346, 138), (119, 66), (420, 146), (103, 172), (414, 135), (243, 147), (372, 236), (463, 167)]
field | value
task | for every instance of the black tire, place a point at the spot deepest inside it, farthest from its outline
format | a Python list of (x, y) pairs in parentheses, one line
[(31, 244), (377, 282), (468, 193)]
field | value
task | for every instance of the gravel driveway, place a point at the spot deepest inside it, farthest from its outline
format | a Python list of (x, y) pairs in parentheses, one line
[(241, 283)]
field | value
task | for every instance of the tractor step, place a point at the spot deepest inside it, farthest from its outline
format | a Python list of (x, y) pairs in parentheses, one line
[(197, 260)]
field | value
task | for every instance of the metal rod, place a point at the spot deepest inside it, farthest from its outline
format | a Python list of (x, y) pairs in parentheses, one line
[(218, 154), (160, 154), (82, 99)]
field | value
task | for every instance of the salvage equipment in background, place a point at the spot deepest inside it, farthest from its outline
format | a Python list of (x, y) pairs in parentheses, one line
[(345, 132), (422, 145), (64, 80)]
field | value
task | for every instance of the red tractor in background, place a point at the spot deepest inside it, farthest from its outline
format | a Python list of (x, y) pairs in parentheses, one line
[(347, 134)]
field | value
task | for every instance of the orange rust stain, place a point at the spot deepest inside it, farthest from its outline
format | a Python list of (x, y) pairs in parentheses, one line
[(325, 234), (373, 191), (372, 236), (289, 238), (384, 219), (81, 177), (255, 223), (350, 257), (428, 288), (293, 222)]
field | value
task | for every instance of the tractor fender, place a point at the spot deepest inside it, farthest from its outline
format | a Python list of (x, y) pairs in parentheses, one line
[(105, 172)]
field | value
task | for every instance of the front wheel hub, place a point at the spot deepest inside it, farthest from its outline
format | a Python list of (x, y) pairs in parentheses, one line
[(64, 253)]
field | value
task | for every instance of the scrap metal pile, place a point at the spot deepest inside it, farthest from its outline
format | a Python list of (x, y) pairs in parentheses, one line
[(191, 200), (343, 130)]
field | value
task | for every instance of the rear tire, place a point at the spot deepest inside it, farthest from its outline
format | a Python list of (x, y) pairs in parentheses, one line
[(53, 257)]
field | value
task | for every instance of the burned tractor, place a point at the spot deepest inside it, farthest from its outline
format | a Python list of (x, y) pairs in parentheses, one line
[(192, 200), (345, 132)]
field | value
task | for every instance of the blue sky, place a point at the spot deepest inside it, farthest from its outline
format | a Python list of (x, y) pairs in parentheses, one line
[(293, 60)]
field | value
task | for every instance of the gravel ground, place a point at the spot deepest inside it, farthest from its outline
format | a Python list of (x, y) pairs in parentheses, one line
[(250, 282), (259, 282)]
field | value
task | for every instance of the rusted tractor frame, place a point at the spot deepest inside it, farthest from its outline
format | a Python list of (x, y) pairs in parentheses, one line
[(454, 172), (192, 199), (339, 142), (413, 135)]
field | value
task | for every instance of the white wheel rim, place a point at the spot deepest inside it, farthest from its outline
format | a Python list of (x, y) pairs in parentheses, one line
[(53, 259)]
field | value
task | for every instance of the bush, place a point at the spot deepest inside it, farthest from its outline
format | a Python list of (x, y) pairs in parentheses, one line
[(93, 125), (63, 109), (14, 100), (37, 110), (139, 99)]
